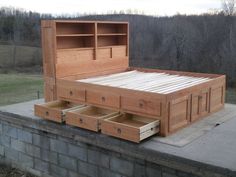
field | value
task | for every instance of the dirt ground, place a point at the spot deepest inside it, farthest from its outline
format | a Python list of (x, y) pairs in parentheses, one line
[(12, 172)]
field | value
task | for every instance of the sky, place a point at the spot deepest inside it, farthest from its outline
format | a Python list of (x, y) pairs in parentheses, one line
[(148, 7)]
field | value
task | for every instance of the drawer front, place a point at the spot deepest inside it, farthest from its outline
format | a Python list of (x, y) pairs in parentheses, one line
[(46, 112), (120, 131), (75, 94), (217, 97), (129, 129), (104, 99), (141, 105), (83, 122)]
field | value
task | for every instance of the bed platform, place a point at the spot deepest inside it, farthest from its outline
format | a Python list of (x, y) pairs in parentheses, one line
[(111, 97)]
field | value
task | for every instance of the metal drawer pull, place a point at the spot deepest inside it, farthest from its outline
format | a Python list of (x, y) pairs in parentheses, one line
[(103, 99), (140, 105), (47, 113), (119, 130)]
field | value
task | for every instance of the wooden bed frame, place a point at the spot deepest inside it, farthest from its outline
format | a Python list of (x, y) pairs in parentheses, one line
[(67, 61)]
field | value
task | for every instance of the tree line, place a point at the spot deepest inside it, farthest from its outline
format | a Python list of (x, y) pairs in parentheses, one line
[(198, 43)]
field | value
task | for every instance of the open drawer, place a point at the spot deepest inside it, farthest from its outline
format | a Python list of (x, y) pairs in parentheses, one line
[(88, 117), (130, 127), (54, 110)]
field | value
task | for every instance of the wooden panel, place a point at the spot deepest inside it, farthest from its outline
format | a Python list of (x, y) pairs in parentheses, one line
[(71, 93), (74, 56), (179, 113), (118, 52), (199, 104), (104, 53), (130, 127), (103, 98), (216, 97), (141, 105), (82, 67), (88, 117)]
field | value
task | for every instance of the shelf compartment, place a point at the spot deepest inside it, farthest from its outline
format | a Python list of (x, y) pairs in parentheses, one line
[(130, 127), (111, 40), (88, 117), (54, 110), (107, 28), (67, 42), (74, 28)]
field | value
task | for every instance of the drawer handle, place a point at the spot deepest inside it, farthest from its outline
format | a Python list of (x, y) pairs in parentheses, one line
[(141, 105), (103, 99), (81, 120), (118, 130), (47, 113), (71, 93)]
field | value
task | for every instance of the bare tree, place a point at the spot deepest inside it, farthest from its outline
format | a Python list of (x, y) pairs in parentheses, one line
[(228, 7)]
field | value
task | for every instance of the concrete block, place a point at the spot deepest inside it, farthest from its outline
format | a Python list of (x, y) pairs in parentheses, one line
[(49, 156), (58, 171), (17, 145), (122, 166), (75, 174), (5, 141), (1, 150), (98, 158), (153, 172), (77, 152), (25, 160), (11, 154), (41, 165), (103, 172), (10, 131), (87, 169), (32, 150), (67, 162), (24, 136), (41, 141), (139, 170), (164, 174), (58, 146)]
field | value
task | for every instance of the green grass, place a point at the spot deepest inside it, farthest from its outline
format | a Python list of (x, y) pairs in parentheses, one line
[(15, 88)]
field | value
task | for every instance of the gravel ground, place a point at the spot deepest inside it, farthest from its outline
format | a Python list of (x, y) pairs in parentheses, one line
[(12, 172)]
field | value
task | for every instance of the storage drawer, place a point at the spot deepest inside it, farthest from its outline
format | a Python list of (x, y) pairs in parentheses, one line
[(130, 127), (103, 98), (75, 94), (88, 117), (54, 110), (141, 105)]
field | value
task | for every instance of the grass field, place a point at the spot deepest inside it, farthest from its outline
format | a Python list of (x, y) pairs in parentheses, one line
[(15, 88)]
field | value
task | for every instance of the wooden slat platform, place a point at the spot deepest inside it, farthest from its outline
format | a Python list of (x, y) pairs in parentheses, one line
[(162, 83)]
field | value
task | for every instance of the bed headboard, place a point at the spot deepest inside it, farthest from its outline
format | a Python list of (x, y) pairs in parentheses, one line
[(83, 47)]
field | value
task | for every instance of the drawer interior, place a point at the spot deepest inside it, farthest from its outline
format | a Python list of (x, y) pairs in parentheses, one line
[(131, 120), (95, 112)]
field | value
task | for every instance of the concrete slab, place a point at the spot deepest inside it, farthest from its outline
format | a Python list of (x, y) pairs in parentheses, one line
[(209, 141)]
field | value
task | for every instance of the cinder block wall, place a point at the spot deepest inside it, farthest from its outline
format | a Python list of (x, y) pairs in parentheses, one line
[(44, 148)]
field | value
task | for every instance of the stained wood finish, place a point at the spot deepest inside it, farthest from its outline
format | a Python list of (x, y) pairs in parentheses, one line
[(77, 50), (88, 117), (130, 127), (55, 110)]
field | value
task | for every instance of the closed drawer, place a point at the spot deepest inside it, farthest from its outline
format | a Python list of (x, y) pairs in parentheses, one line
[(54, 110), (141, 105), (88, 117), (73, 93), (130, 127), (103, 98)]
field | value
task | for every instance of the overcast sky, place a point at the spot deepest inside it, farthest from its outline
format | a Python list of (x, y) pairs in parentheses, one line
[(149, 7)]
